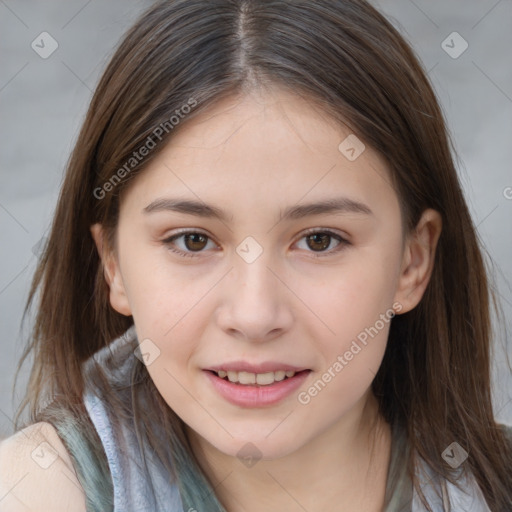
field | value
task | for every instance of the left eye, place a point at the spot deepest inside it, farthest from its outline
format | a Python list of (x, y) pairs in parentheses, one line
[(320, 241), (193, 242)]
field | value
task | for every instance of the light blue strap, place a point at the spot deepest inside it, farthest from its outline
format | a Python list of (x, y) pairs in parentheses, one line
[(469, 499), (135, 490)]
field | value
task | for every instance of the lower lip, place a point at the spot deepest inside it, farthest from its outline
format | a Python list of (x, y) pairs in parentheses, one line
[(256, 396)]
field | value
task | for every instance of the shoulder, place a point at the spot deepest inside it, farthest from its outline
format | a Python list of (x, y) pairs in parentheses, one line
[(37, 473)]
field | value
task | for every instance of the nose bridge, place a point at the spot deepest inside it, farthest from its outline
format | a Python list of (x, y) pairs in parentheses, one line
[(253, 279), (251, 263), (254, 282), (255, 305)]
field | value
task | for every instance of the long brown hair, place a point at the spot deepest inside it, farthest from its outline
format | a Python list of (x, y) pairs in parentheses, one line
[(349, 60)]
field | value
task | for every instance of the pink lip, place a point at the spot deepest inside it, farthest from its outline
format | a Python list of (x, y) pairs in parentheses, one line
[(243, 366), (256, 396)]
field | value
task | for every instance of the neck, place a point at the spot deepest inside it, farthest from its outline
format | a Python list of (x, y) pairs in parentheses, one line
[(333, 471)]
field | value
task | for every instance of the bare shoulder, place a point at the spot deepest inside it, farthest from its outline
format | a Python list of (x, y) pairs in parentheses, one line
[(37, 473)]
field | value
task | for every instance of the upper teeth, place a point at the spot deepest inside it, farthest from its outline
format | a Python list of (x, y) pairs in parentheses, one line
[(255, 378)]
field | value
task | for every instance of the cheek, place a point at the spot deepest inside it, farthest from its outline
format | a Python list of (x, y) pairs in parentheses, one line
[(351, 361), (355, 302), (161, 294), (176, 342), (351, 297), (168, 310)]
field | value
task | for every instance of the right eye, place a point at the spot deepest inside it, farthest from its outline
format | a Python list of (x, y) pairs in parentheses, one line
[(192, 242)]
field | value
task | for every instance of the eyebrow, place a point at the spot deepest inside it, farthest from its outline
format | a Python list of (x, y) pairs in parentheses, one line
[(201, 209)]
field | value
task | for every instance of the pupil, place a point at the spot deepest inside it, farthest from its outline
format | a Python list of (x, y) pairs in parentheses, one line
[(319, 238), (192, 239)]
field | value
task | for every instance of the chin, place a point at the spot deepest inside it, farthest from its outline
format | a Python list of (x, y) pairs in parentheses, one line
[(257, 446)]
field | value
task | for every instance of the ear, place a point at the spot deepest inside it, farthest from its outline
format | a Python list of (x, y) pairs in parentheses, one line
[(418, 260), (111, 271)]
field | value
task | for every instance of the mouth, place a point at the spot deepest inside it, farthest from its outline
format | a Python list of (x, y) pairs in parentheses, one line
[(255, 390)]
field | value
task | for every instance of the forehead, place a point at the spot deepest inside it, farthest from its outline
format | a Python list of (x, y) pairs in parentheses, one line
[(262, 148), (272, 122)]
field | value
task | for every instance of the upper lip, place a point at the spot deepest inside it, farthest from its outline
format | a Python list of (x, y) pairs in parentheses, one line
[(244, 366)]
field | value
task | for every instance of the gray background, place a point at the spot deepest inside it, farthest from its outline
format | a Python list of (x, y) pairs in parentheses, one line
[(43, 102)]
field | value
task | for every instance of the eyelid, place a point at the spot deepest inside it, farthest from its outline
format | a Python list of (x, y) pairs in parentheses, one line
[(186, 231)]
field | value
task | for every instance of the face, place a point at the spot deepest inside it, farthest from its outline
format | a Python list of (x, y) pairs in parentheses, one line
[(254, 280)]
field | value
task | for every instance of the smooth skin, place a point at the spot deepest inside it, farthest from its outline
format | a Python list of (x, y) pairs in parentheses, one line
[(37, 473), (301, 302)]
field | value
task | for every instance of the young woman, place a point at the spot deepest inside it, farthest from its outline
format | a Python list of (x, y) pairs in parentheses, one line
[(263, 289)]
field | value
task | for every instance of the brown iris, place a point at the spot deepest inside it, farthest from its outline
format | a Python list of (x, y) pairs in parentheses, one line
[(195, 241), (319, 241)]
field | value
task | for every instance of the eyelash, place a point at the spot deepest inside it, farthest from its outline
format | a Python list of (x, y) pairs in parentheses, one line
[(319, 254)]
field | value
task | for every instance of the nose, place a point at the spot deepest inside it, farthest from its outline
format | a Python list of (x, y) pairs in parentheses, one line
[(256, 305)]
